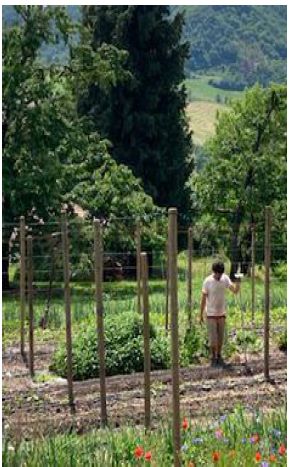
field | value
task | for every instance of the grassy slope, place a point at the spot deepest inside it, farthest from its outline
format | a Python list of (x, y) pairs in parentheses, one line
[(203, 106), (202, 119)]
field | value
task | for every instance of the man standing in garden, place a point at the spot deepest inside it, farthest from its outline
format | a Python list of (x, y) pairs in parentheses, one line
[(213, 299)]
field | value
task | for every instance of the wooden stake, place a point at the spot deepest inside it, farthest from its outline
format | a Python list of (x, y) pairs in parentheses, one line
[(98, 247), (30, 304), (172, 239), (189, 278), (268, 220), (167, 291), (22, 284), (138, 264), (67, 299), (253, 279), (146, 333)]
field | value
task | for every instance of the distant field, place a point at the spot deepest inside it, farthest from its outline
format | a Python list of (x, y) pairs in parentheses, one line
[(205, 101), (202, 117), (199, 89)]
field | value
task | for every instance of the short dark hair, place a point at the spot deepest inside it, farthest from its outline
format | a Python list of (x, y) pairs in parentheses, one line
[(218, 266)]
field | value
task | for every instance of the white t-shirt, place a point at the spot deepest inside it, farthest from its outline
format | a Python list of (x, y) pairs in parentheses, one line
[(215, 291)]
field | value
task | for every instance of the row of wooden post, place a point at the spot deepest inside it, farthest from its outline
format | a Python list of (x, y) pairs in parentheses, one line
[(142, 305)]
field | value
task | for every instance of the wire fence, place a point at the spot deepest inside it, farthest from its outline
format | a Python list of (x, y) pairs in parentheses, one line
[(120, 265), (53, 302)]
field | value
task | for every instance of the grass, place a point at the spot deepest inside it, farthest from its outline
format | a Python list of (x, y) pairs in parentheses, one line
[(237, 439), (202, 119), (199, 89), (205, 102), (120, 297)]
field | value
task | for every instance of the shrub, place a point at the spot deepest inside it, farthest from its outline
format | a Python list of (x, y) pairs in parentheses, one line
[(124, 349), (280, 271)]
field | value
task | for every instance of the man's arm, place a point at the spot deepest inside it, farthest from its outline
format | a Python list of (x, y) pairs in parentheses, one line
[(235, 286), (202, 306)]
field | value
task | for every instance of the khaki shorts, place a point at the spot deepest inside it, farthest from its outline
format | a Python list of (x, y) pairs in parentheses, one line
[(216, 330)]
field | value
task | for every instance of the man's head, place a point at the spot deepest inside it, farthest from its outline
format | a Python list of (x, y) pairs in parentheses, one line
[(218, 269)]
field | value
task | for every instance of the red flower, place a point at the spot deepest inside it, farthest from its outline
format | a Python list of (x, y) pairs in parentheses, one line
[(258, 456), (138, 452), (282, 450), (272, 458), (216, 456), (148, 456), (185, 424)]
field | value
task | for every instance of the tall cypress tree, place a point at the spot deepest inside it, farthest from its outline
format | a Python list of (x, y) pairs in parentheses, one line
[(144, 117)]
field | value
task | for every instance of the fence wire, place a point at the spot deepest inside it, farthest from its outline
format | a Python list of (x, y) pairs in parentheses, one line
[(120, 276)]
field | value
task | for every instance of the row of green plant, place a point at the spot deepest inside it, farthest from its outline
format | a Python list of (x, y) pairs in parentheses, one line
[(120, 301), (125, 348), (243, 438)]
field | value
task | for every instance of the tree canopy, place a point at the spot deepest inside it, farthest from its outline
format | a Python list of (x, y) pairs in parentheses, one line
[(246, 168), (144, 116), (50, 153), (107, 131)]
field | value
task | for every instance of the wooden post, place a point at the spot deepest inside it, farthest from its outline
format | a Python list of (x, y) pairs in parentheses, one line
[(146, 334), (22, 284), (138, 264), (189, 278), (268, 220), (167, 291), (67, 299), (98, 247), (253, 279), (172, 242), (44, 319), (30, 304)]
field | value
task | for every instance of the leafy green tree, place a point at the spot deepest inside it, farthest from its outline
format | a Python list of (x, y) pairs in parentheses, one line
[(246, 170), (33, 122), (45, 142), (144, 117), (40, 127), (93, 180), (110, 192)]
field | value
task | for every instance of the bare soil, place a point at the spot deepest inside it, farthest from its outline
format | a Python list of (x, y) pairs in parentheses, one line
[(32, 409)]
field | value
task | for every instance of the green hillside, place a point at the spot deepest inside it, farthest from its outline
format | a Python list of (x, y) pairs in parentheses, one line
[(241, 44), (246, 43)]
